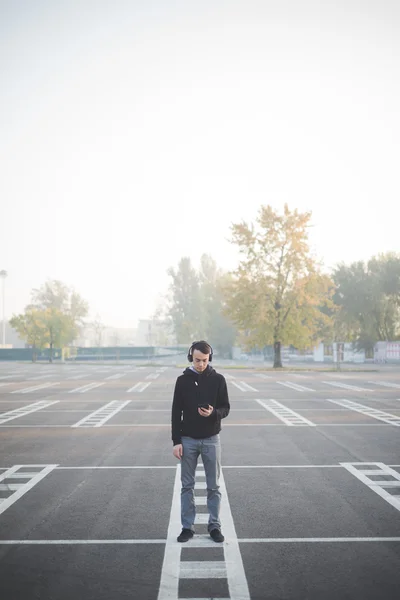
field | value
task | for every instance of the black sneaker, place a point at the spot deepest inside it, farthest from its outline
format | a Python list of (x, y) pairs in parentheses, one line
[(185, 535), (217, 535)]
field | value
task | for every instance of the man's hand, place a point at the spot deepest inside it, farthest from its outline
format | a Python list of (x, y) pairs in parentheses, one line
[(205, 412), (177, 451)]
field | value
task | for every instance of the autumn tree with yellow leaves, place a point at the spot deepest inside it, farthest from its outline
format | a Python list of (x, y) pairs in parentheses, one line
[(54, 318), (278, 294)]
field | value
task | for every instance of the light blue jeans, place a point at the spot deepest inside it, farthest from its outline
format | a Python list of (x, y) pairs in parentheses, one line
[(210, 451)]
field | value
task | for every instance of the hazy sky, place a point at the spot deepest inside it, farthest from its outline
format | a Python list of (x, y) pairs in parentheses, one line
[(133, 133)]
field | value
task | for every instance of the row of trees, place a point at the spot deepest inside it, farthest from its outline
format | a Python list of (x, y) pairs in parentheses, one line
[(279, 294)]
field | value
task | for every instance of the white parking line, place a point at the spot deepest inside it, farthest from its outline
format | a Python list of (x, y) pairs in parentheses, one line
[(116, 376), (385, 384), (346, 386), (25, 410), (288, 416), (103, 414), (132, 542), (377, 486), (35, 388), (139, 387), (369, 412), (19, 472), (295, 386), (153, 375), (243, 386), (85, 388), (174, 569)]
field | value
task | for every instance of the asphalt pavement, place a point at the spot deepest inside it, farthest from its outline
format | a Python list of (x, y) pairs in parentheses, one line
[(89, 489)]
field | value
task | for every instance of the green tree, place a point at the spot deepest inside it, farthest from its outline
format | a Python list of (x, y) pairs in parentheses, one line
[(215, 323), (197, 304), (30, 327), (368, 300), (185, 306), (57, 296), (278, 295)]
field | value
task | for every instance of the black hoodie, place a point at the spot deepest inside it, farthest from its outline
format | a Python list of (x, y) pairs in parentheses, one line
[(192, 389)]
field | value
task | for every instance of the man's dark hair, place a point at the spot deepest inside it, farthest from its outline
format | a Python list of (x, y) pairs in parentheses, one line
[(203, 346)]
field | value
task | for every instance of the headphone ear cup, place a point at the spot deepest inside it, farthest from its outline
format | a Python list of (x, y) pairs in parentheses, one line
[(190, 357)]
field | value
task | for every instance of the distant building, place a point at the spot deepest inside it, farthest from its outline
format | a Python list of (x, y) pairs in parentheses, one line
[(154, 332)]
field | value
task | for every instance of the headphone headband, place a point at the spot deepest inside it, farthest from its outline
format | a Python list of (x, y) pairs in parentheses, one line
[(190, 352)]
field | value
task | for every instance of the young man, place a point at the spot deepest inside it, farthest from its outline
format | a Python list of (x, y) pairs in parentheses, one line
[(200, 402)]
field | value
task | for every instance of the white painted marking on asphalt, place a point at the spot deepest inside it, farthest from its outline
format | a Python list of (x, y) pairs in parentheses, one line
[(263, 376), (295, 386), (239, 386), (139, 387), (380, 415), (206, 569), (24, 487), (237, 581), (228, 376), (170, 570), (153, 375), (86, 388), (385, 384), (75, 542), (285, 414), (346, 386), (173, 568), (116, 376), (35, 388), (6, 376), (248, 387), (8, 383), (375, 485), (25, 410), (103, 414)]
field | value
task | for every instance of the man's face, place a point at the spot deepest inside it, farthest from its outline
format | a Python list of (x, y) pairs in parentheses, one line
[(200, 360)]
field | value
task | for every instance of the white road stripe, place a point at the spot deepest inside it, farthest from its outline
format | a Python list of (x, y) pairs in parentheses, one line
[(285, 414), (248, 387), (169, 582), (377, 486), (139, 387), (346, 386), (205, 569), (116, 376), (369, 412), (263, 376), (86, 388), (35, 388), (385, 384), (237, 583), (295, 386), (25, 410), (103, 414), (24, 487), (173, 569), (153, 375), (73, 542), (243, 386)]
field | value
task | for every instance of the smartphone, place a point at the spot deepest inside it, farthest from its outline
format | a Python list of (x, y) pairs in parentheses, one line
[(203, 406)]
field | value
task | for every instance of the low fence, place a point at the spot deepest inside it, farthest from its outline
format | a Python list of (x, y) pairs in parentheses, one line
[(71, 354)]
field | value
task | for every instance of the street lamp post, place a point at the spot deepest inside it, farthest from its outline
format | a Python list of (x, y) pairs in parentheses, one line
[(3, 275)]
